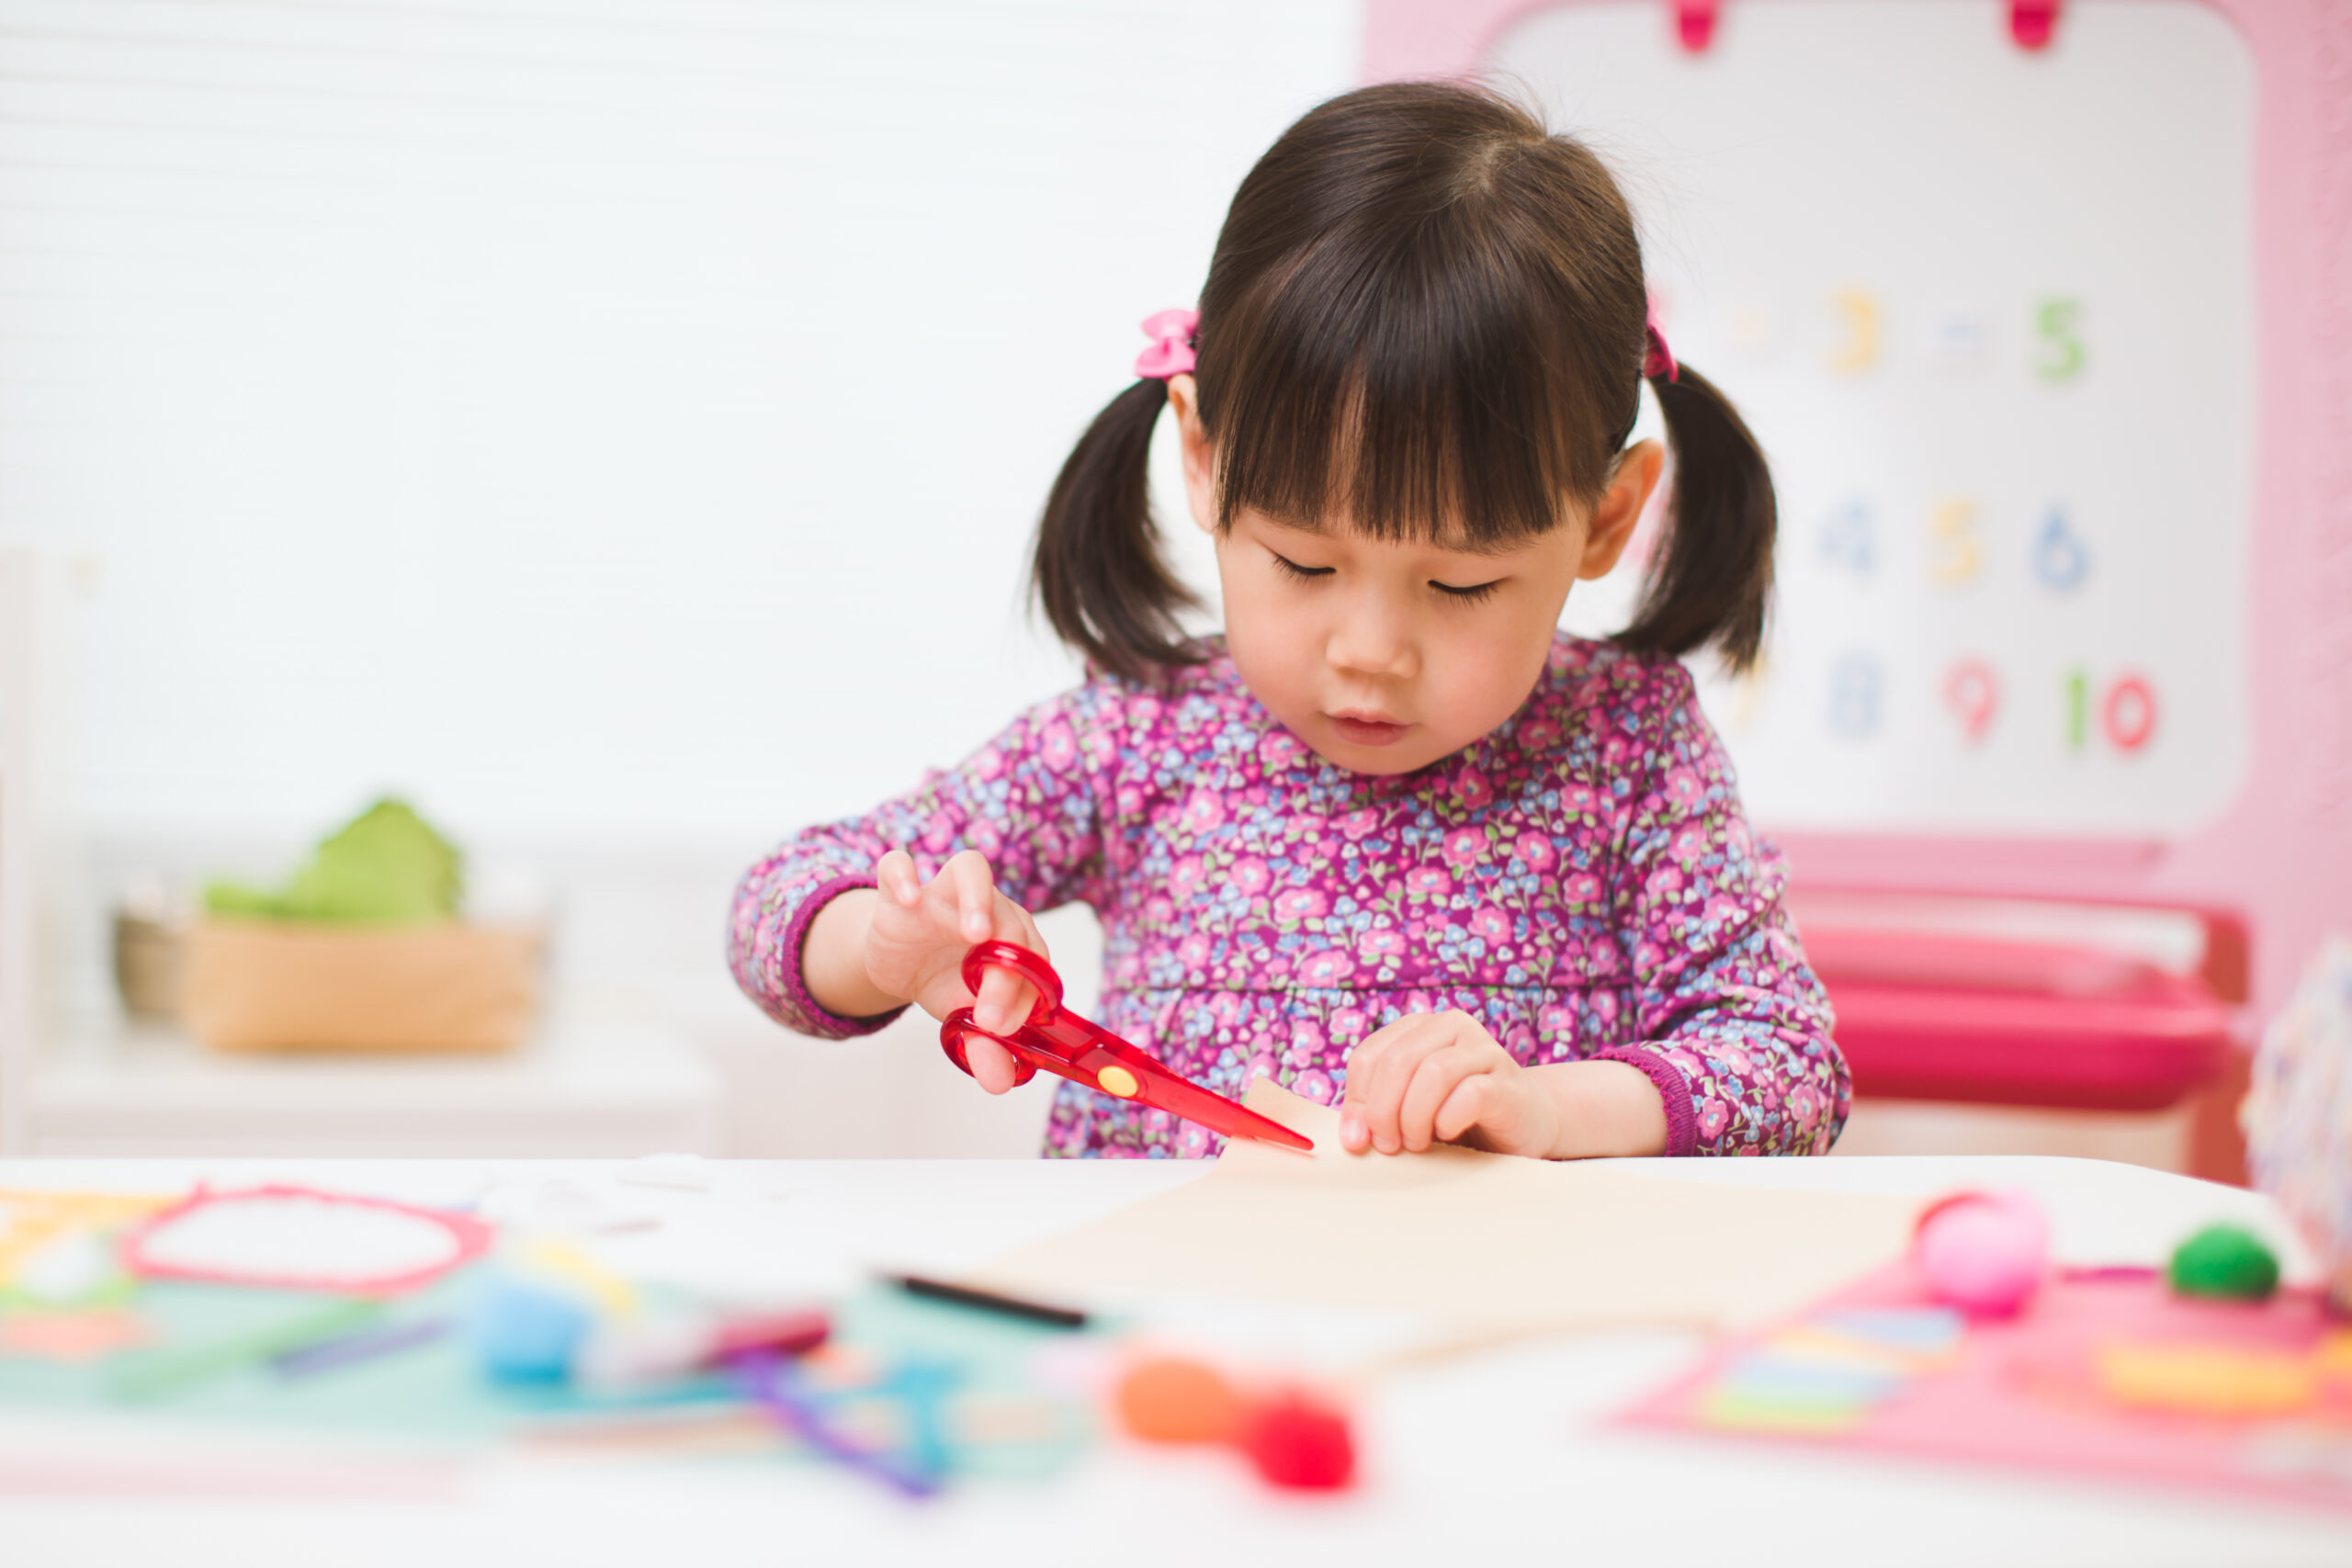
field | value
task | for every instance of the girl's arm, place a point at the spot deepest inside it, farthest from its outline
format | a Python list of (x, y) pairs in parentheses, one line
[(1733, 1028), (1733, 1054), (1026, 802)]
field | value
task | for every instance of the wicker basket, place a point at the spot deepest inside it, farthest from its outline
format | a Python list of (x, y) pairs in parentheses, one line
[(272, 985)]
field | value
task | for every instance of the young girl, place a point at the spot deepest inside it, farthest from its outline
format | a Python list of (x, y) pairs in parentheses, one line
[(1394, 839)]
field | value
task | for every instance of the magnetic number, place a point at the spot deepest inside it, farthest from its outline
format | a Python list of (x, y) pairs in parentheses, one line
[(2128, 714), (1956, 554), (1973, 691), (1963, 342), (1854, 685), (1859, 351), (2126, 710), (1848, 538), (2055, 323), (2060, 558)]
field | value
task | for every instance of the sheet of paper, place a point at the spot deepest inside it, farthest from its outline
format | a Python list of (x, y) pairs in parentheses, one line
[(1484, 1243)]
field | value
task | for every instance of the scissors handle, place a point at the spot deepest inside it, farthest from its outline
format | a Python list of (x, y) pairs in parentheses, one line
[(1031, 967), (1075, 1048)]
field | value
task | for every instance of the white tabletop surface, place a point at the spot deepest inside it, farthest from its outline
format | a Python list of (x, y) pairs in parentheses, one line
[(1503, 1455)]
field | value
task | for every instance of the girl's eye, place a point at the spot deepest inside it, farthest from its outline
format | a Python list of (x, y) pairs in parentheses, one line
[(1470, 595), (1304, 573)]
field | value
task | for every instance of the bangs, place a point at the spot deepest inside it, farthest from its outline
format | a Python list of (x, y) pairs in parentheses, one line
[(1423, 386)]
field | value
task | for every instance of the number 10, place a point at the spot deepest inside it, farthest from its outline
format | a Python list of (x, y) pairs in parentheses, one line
[(2127, 711)]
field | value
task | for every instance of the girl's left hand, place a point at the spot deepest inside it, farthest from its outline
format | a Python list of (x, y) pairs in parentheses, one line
[(1441, 1078)]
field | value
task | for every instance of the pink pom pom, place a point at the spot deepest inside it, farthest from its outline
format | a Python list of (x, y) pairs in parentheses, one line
[(1983, 1252)]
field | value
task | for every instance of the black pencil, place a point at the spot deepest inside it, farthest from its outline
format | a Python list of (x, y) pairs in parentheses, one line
[(989, 1301)]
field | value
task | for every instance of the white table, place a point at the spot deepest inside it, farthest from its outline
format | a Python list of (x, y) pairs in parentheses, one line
[(1500, 1456)]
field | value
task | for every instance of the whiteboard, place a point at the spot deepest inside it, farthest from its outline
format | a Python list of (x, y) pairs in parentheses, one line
[(1992, 315)]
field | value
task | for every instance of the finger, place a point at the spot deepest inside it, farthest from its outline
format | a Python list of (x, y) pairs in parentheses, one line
[(975, 892), (1005, 1000), (994, 1068), (1475, 1104), (1432, 1084), (1013, 924), (895, 874), (1391, 1073), (1355, 1124)]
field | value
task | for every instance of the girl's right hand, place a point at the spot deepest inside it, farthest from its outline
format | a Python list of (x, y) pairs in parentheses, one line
[(919, 933)]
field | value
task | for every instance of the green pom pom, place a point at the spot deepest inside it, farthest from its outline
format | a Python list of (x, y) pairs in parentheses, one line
[(2227, 1261)]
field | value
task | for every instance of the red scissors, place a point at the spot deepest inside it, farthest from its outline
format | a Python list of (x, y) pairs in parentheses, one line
[(1083, 1051)]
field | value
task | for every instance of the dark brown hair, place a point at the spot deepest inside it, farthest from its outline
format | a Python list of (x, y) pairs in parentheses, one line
[(1427, 313)]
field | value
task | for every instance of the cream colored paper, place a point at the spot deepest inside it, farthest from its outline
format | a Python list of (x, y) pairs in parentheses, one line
[(1488, 1243)]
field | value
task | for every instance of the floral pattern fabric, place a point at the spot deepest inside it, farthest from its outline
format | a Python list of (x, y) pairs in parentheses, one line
[(1582, 880)]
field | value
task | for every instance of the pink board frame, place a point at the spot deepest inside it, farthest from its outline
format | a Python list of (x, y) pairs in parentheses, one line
[(2279, 858)]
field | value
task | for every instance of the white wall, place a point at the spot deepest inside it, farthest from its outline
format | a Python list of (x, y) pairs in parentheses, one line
[(615, 423), (594, 417)]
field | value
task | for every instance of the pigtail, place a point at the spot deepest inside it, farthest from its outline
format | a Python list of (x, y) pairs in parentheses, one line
[(1097, 571), (1712, 579)]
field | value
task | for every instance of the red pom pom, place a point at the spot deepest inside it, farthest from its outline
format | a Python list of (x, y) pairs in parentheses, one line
[(1299, 1445)]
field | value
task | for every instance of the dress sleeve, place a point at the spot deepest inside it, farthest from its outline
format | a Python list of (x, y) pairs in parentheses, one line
[(1028, 800), (1732, 1025)]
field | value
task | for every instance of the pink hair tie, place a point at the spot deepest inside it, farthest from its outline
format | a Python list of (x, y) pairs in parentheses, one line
[(1659, 359), (1170, 353)]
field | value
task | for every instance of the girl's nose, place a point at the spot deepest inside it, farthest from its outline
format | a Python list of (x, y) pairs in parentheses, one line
[(1372, 639)]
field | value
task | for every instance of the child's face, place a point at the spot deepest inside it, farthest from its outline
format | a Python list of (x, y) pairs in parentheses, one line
[(1385, 657)]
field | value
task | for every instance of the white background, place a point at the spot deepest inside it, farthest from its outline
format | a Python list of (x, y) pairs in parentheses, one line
[(592, 417)]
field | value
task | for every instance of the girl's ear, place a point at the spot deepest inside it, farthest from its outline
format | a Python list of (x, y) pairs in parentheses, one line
[(1619, 509), (1200, 462)]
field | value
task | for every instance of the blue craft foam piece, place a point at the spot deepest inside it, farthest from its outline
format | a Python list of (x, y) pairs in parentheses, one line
[(1926, 1331), (526, 1333), (1773, 1378)]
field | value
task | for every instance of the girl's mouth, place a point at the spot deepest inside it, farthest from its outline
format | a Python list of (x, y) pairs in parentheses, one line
[(1359, 731)]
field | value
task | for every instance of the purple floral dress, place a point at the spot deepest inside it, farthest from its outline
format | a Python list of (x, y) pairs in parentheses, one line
[(1582, 880)]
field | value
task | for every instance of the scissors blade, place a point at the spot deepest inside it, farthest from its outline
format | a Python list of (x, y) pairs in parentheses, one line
[(1079, 1049), (1181, 1096)]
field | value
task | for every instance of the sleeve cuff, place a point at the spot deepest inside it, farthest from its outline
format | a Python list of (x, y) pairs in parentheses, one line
[(794, 981), (1681, 1124)]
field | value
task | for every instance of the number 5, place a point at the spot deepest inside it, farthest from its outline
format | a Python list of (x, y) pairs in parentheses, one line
[(2062, 345), (1957, 554)]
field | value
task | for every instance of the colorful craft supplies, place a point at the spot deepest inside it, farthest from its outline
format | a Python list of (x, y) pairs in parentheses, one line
[(32, 1225), (290, 1307), (2105, 1373), (1301, 1444), (1174, 1399), (2228, 1262), (166, 1371), (1983, 1252), (2207, 1380), (774, 1383), (299, 1238), (1830, 1369), (338, 1351), (526, 1331), (1295, 1440)]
